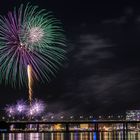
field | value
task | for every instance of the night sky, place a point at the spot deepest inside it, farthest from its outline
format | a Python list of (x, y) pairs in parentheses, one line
[(102, 73)]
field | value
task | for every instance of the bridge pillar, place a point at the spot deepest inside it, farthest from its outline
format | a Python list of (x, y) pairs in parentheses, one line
[(96, 127), (125, 130), (37, 127), (67, 127)]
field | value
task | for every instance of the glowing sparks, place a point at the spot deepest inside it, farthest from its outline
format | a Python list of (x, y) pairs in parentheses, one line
[(30, 83), (37, 108), (35, 34), (10, 110), (20, 107)]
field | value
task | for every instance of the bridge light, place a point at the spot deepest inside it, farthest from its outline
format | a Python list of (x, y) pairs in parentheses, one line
[(90, 117), (71, 117), (119, 116)]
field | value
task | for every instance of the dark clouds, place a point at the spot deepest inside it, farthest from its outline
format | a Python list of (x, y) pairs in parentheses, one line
[(103, 74)]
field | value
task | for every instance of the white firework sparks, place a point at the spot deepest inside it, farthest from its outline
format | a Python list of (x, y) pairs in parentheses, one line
[(20, 107), (10, 110), (37, 108), (35, 34)]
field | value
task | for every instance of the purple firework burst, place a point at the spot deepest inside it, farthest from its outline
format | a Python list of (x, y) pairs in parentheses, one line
[(21, 107), (37, 108), (10, 110)]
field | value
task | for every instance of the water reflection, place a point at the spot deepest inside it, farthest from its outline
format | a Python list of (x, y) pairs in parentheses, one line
[(116, 135)]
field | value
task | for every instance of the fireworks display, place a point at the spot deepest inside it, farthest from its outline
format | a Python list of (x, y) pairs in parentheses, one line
[(32, 46), (30, 37), (21, 108)]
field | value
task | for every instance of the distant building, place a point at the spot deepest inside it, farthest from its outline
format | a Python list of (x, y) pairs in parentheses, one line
[(133, 115)]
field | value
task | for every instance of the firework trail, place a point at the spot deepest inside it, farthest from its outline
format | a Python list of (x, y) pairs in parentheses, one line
[(30, 83), (30, 39)]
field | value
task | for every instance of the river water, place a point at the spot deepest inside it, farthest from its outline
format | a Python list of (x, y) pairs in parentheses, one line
[(71, 136)]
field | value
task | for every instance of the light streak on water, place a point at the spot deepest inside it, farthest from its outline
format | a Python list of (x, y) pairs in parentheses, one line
[(94, 136), (90, 136), (11, 136), (71, 136), (52, 136), (81, 136), (35, 136), (20, 136), (42, 135), (62, 136), (3, 136)]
